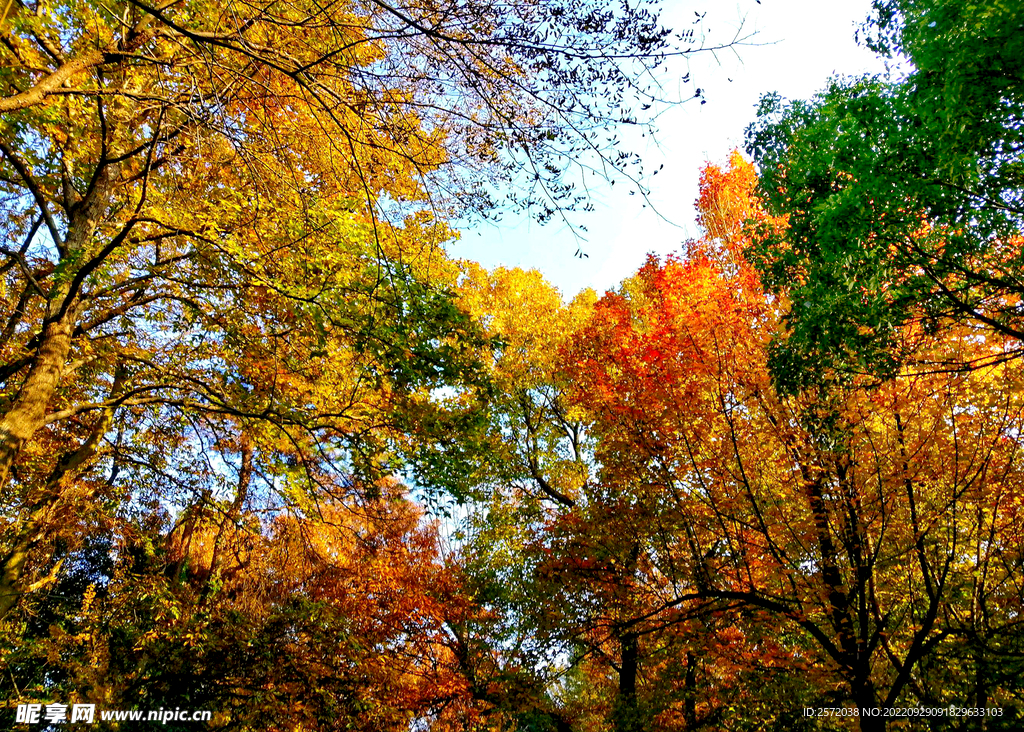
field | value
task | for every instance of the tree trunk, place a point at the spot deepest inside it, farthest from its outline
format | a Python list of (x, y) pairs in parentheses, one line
[(690, 689), (627, 711), (230, 520), (864, 696), (27, 414)]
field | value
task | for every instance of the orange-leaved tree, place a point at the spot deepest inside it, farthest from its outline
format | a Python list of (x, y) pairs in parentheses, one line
[(874, 531), (335, 614)]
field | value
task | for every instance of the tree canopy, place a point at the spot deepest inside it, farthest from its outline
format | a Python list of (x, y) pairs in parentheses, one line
[(903, 194), (267, 450)]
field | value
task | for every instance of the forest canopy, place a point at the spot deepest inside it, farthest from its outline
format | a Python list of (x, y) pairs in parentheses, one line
[(268, 450)]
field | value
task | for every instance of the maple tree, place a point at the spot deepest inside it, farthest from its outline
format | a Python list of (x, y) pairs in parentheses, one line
[(862, 522)]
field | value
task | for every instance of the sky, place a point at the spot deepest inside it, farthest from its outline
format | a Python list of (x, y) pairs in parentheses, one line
[(792, 47)]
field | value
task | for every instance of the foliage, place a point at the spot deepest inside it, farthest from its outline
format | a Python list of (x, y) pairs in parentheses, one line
[(315, 621), (755, 477), (729, 556), (903, 195)]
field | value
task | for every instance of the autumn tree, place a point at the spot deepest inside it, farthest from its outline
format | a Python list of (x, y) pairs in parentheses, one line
[(876, 529), (558, 554), (331, 616), (526, 462), (668, 541), (224, 227)]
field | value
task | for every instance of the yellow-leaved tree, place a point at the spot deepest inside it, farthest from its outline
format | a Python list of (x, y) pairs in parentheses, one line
[(227, 219), (224, 288)]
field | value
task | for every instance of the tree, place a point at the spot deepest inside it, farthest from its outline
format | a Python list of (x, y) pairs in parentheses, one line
[(903, 195), (564, 555), (330, 617), (706, 543), (874, 532), (526, 464), (225, 226)]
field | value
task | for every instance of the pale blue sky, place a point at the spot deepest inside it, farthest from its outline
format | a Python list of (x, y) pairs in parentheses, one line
[(804, 42)]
